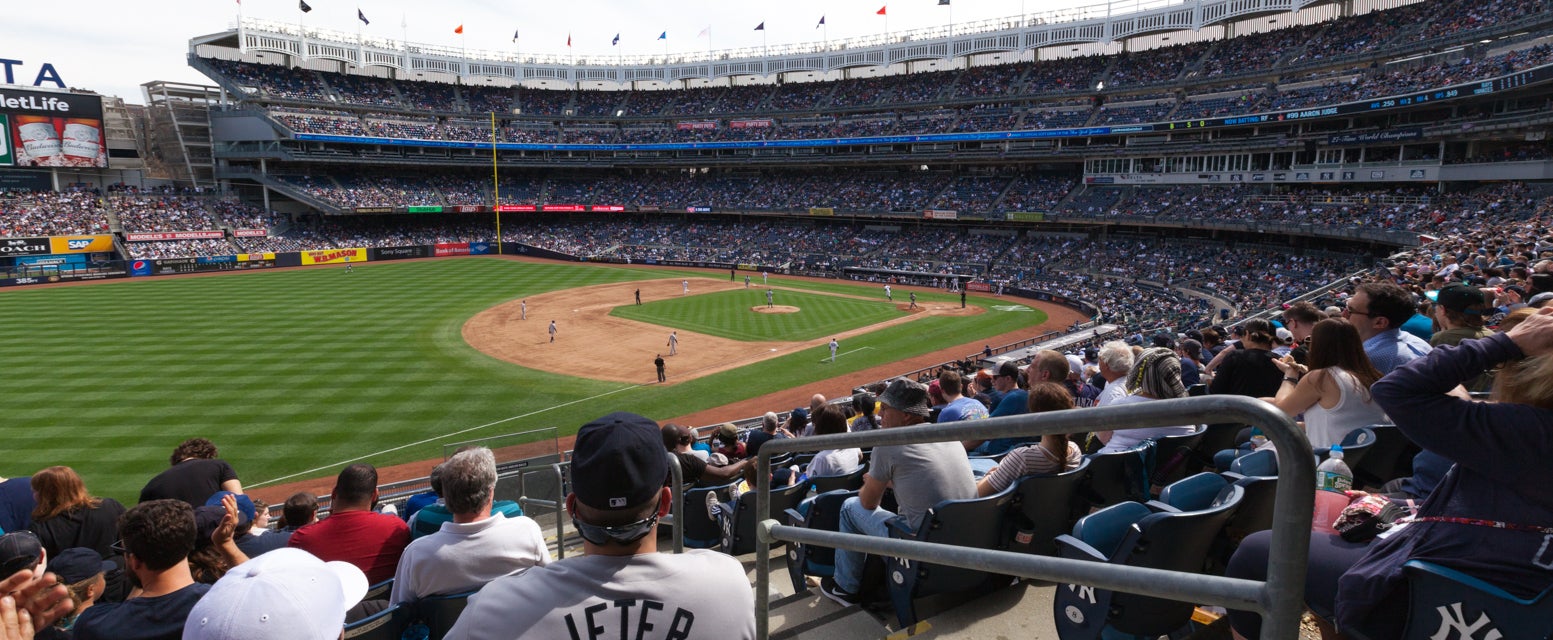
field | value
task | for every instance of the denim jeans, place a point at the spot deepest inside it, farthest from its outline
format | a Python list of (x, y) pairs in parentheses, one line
[(856, 519)]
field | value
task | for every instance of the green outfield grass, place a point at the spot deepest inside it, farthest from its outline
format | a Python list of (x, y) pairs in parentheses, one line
[(727, 314), (295, 372)]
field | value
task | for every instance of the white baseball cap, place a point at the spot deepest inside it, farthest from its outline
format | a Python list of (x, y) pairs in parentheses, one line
[(285, 593)]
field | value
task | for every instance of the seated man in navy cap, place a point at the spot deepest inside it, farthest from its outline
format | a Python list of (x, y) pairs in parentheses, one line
[(622, 587)]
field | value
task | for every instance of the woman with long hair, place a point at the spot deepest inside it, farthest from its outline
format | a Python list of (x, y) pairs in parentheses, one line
[(1053, 454), (68, 516), (1333, 391)]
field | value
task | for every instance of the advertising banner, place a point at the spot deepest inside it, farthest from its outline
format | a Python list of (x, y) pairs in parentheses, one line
[(469, 208), (698, 209), (250, 233), (649, 208), (374, 209), (941, 214), (215, 260), (750, 124), (7, 157), (81, 244), (400, 253), (481, 248), (46, 129), (24, 247), (256, 257), (424, 209), (822, 211), (611, 208), (683, 126), (334, 256), (139, 268), (174, 235), (978, 286), (562, 207), (1024, 216), (451, 249), (516, 208)]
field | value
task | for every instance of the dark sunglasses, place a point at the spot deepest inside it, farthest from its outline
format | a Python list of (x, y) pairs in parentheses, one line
[(623, 534)]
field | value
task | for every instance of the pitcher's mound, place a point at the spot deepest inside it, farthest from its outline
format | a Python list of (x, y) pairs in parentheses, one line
[(781, 308)]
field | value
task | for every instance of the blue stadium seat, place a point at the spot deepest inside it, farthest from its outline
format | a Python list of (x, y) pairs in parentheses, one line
[(1122, 476), (388, 624), (820, 512), (1445, 603), (1356, 447), (844, 482), (700, 530), (1129, 534), (1174, 456), (440, 612), (380, 590), (1044, 507), (975, 523), (738, 530)]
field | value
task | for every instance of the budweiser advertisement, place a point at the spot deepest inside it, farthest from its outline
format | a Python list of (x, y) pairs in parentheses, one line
[(48, 129)]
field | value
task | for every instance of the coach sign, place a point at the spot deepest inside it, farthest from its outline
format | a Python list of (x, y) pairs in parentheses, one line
[(24, 247)]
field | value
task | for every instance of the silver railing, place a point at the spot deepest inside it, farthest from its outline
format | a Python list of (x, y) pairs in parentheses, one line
[(1280, 599)]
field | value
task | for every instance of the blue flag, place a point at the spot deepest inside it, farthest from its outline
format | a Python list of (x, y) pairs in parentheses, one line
[(363, 17), (822, 22), (615, 41), (663, 36), (760, 27)]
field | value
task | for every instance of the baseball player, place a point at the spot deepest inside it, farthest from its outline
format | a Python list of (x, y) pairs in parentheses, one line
[(620, 586), (348, 264), (833, 346), (962, 298), (887, 295), (638, 297), (658, 362), (523, 310), (552, 331), (746, 282), (685, 285), (673, 342), (763, 277), (913, 299), (769, 296)]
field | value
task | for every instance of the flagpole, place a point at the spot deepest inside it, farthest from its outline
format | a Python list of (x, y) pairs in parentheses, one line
[(495, 183), (302, 28), (242, 42)]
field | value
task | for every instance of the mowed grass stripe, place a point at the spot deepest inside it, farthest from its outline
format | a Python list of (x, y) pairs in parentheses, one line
[(728, 314), (291, 370)]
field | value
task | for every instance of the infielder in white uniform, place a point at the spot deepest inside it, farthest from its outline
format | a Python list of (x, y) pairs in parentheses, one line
[(673, 342), (833, 346), (552, 331), (621, 587), (685, 284), (769, 298), (887, 294), (523, 310)]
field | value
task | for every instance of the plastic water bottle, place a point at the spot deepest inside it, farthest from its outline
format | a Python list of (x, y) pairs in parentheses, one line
[(1334, 474)]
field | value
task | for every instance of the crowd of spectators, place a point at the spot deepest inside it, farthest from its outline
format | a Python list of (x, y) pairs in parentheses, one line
[(179, 249), (159, 213), (25, 213)]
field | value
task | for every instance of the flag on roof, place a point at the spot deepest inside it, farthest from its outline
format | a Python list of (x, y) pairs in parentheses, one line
[(362, 17), (514, 35), (760, 27), (663, 36), (881, 10), (302, 5), (615, 41), (822, 22), (459, 30)]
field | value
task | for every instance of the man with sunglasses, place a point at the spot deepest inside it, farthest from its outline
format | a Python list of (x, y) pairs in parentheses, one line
[(1378, 310), (621, 586)]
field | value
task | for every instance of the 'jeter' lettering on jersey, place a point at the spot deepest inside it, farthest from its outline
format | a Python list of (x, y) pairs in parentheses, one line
[(594, 619)]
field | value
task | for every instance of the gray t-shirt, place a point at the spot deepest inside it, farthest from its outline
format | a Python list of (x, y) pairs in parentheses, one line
[(697, 594), (924, 475)]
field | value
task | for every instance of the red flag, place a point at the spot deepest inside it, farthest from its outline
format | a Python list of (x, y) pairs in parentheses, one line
[(568, 39), (459, 30), (881, 10)]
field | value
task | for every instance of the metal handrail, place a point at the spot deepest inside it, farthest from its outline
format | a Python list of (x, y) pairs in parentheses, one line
[(1280, 599)]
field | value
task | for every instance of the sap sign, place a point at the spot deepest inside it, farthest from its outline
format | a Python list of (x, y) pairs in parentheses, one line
[(46, 73)]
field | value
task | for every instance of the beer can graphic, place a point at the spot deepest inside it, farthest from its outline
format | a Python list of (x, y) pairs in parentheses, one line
[(82, 141), (39, 140)]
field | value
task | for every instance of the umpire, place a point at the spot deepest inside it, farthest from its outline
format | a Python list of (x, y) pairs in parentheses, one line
[(658, 362)]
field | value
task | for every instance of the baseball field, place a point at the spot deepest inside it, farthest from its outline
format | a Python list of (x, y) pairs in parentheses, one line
[(294, 373)]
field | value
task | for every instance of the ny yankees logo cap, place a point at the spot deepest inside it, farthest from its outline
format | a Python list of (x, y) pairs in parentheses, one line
[(618, 462)]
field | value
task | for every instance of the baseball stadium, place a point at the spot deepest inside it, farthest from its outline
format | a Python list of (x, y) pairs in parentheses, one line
[(1239, 309)]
